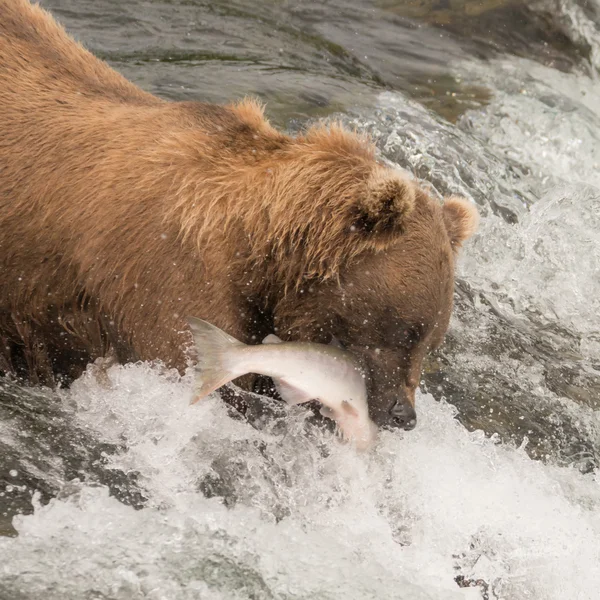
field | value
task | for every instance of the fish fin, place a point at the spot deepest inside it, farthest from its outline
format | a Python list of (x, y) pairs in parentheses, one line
[(272, 339), (335, 343), (206, 334), (346, 406), (290, 393), (326, 412), (208, 382), (213, 368)]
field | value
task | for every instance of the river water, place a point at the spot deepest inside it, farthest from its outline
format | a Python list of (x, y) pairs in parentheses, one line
[(119, 490)]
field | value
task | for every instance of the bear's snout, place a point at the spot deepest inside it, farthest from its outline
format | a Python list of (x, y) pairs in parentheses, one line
[(403, 416)]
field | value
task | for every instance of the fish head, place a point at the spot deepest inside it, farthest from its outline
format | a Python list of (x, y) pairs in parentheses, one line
[(390, 309)]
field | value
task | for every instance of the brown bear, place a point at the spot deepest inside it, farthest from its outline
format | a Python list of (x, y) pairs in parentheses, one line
[(121, 214)]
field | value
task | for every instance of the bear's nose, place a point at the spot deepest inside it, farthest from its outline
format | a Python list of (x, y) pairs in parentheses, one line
[(404, 416)]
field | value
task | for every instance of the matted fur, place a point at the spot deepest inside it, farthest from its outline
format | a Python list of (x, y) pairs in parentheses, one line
[(121, 214)]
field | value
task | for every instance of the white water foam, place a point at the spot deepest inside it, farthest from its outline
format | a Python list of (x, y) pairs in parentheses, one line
[(549, 264), (540, 118), (309, 517)]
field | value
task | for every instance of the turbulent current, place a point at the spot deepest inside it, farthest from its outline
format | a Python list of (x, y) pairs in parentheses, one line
[(117, 489)]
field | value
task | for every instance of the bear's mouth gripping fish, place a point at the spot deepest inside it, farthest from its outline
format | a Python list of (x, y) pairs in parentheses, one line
[(301, 372)]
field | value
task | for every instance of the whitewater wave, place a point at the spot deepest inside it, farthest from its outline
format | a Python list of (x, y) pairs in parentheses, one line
[(299, 514)]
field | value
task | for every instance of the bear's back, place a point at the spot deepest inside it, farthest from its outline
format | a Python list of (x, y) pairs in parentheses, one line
[(36, 51)]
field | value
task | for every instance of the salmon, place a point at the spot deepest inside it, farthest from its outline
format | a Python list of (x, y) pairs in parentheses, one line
[(301, 371)]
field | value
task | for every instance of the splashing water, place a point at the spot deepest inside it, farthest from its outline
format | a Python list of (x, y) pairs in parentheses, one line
[(307, 517), (494, 496)]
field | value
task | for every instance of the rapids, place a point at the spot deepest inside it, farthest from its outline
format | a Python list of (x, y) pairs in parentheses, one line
[(120, 490)]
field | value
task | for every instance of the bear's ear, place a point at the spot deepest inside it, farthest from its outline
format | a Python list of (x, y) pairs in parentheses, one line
[(461, 219), (382, 210)]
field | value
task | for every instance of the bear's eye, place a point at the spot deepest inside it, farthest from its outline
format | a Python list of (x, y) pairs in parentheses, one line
[(411, 336), (406, 336)]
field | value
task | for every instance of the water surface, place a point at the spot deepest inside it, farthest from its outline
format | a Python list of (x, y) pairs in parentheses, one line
[(126, 492)]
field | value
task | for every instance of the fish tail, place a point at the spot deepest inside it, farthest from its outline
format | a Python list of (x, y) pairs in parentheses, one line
[(215, 366)]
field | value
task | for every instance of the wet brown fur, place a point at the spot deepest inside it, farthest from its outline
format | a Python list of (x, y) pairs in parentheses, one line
[(121, 214)]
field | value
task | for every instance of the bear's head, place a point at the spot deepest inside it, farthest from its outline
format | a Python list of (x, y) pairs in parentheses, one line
[(363, 256)]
